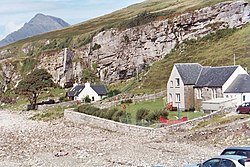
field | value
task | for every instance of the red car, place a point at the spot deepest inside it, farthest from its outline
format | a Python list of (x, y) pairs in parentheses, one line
[(244, 108)]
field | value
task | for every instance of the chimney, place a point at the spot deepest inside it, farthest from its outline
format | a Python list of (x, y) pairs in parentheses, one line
[(87, 84)]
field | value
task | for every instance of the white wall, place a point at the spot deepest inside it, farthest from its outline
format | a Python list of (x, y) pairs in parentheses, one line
[(238, 71), (238, 96), (88, 91), (173, 90)]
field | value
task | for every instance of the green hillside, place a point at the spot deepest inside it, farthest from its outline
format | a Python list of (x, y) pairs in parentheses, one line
[(212, 50), (80, 34)]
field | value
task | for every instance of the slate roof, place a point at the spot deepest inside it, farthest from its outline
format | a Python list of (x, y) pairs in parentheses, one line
[(99, 89), (75, 91), (214, 76), (240, 85), (189, 72)]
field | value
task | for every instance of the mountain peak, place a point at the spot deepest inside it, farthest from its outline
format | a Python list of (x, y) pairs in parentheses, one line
[(39, 24)]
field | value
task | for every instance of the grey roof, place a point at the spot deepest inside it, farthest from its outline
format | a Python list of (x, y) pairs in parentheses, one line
[(215, 76), (99, 89), (189, 72), (240, 85), (75, 91)]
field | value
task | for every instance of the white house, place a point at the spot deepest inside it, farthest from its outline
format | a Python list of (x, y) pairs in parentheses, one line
[(190, 83), (94, 92), (239, 89), (180, 84)]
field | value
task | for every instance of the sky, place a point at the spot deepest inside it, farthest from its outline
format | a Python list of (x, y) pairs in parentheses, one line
[(14, 13)]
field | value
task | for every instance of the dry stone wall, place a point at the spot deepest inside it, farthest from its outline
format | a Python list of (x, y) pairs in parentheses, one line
[(162, 129)]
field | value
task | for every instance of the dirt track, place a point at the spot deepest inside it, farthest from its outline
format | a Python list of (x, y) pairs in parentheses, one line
[(24, 142)]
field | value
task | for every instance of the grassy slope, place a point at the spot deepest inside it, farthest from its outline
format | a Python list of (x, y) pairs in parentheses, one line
[(215, 50)]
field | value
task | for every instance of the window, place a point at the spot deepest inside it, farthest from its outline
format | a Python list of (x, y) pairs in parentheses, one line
[(226, 163), (93, 98), (211, 163), (214, 93), (170, 97), (178, 97), (171, 84), (177, 82), (244, 98), (198, 94)]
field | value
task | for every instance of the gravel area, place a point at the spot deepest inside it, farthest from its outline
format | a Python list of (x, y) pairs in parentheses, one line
[(24, 142)]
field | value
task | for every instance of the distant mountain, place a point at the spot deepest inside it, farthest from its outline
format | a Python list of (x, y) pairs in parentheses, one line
[(37, 25)]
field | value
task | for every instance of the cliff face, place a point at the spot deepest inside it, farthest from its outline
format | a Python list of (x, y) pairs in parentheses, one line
[(120, 54)]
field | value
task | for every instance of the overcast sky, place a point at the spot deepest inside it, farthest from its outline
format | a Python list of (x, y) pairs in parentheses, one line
[(14, 13)]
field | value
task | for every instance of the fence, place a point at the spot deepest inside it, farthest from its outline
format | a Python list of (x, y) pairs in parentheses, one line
[(114, 101)]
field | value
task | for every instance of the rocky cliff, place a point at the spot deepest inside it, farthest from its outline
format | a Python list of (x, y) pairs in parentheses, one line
[(118, 54)]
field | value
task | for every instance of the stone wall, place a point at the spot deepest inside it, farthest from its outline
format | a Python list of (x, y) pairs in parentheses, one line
[(185, 126), (189, 96), (162, 129), (93, 121)]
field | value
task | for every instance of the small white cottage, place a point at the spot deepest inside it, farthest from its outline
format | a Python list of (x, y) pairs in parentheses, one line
[(94, 92)]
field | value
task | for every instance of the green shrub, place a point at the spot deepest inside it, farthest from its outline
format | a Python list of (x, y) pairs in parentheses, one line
[(153, 116), (87, 99), (127, 101), (28, 65), (63, 99), (164, 113), (103, 113), (125, 118), (114, 92), (117, 116), (110, 113), (87, 109), (141, 114)]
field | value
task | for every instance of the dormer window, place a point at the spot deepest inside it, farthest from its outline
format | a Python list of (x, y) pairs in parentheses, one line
[(177, 82)]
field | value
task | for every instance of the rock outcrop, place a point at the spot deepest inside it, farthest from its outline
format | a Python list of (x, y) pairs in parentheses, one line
[(120, 54)]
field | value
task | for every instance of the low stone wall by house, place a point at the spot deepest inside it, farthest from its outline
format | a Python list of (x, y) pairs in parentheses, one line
[(188, 125), (93, 121), (162, 129)]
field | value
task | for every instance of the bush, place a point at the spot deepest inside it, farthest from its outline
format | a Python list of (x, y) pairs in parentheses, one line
[(63, 99), (114, 92), (155, 116), (87, 99), (110, 113), (117, 115), (127, 101), (87, 109), (141, 114)]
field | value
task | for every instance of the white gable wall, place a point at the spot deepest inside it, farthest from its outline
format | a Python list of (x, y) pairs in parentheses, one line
[(239, 97), (88, 91), (238, 71), (174, 90)]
